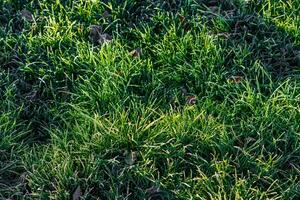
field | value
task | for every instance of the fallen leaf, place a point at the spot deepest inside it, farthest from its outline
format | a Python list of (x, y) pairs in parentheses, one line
[(136, 53), (97, 36), (181, 19), (191, 100), (131, 157), (77, 194), (104, 38), (235, 79), (27, 15), (95, 31), (153, 190)]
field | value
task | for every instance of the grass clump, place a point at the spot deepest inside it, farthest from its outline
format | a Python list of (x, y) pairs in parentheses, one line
[(149, 99)]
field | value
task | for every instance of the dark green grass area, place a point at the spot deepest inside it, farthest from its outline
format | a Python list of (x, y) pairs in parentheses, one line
[(208, 109)]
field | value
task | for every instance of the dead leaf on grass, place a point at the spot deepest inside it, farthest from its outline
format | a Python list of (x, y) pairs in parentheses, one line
[(235, 79), (98, 37), (136, 52), (77, 194), (104, 38), (130, 157), (27, 15), (191, 100), (95, 30), (182, 19), (153, 190)]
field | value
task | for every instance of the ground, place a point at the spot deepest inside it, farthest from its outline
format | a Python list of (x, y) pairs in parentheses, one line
[(129, 99)]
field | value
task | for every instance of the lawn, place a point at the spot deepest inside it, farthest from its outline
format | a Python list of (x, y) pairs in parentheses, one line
[(150, 99)]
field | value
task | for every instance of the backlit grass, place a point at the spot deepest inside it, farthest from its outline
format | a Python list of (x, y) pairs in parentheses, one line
[(150, 99)]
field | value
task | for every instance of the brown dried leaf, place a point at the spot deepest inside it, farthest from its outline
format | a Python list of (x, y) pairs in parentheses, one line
[(131, 157), (191, 100), (182, 19), (77, 194), (235, 79), (136, 53), (27, 15)]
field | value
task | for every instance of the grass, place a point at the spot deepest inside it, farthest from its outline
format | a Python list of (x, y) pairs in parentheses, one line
[(208, 109)]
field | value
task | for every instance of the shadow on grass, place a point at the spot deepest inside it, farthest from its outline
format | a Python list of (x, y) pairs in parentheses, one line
[(30, 98)]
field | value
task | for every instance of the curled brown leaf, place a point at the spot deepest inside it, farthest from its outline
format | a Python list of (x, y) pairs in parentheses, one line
[(136, 52), (235, 79), (182, 19), (191, 100)]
